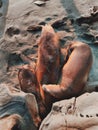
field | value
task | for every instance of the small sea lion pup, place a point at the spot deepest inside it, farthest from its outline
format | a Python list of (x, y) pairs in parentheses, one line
[(27, 79), (28, 84), (26, 75), (74, 73)]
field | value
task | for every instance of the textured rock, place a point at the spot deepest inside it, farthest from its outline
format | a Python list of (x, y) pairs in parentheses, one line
[(20, 108), (73, 114), (0, 3)]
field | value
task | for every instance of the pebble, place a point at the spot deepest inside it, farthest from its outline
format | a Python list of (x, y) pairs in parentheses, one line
[(39, 2)]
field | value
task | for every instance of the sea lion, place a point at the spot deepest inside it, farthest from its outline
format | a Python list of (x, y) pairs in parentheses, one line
[(27, 79), (48, 63), (28, 83), (47, 68), (74, 73)]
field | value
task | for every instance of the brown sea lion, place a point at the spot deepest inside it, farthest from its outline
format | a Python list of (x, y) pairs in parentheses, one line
[(27, 79), (74, 73), (48, 63), (28, 83), (47, 68)]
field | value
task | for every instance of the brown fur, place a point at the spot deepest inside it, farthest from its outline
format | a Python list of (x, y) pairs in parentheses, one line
[(74, 73), (47, 69), (28, 84), (27, 79), (48, 63)]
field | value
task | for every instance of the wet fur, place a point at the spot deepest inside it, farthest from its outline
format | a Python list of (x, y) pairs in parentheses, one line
[(74, 73), (29, 84), (48, 63), (27, 80), (47, 69)]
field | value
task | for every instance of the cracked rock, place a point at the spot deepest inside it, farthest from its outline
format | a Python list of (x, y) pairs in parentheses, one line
[(83, 115)]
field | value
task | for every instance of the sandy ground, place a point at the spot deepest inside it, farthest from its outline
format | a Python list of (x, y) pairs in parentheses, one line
[(78, 20)]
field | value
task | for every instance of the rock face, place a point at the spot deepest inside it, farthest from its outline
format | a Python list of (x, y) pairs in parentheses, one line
[(18, 110), (73, 114)]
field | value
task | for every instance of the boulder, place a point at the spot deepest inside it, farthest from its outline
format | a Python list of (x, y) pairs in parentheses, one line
[(79, 113), (18, 110)]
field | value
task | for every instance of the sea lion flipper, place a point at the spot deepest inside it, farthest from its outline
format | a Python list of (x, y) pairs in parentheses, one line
[(53, 90)]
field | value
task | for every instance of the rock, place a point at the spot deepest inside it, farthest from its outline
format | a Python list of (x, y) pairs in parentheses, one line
[(96, 37), (34, 28), (0, 3), (20, 108), (12, 31), (73, 114), (59, 22), (94, 10), (96, 42), (89, 36), (87, 19), (39, 2)]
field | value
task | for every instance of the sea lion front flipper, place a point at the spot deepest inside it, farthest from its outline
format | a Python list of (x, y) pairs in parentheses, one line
[(53, 90)]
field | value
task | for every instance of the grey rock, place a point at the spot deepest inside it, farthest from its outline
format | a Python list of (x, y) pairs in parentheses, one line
[(17, 109), (73, 114)]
